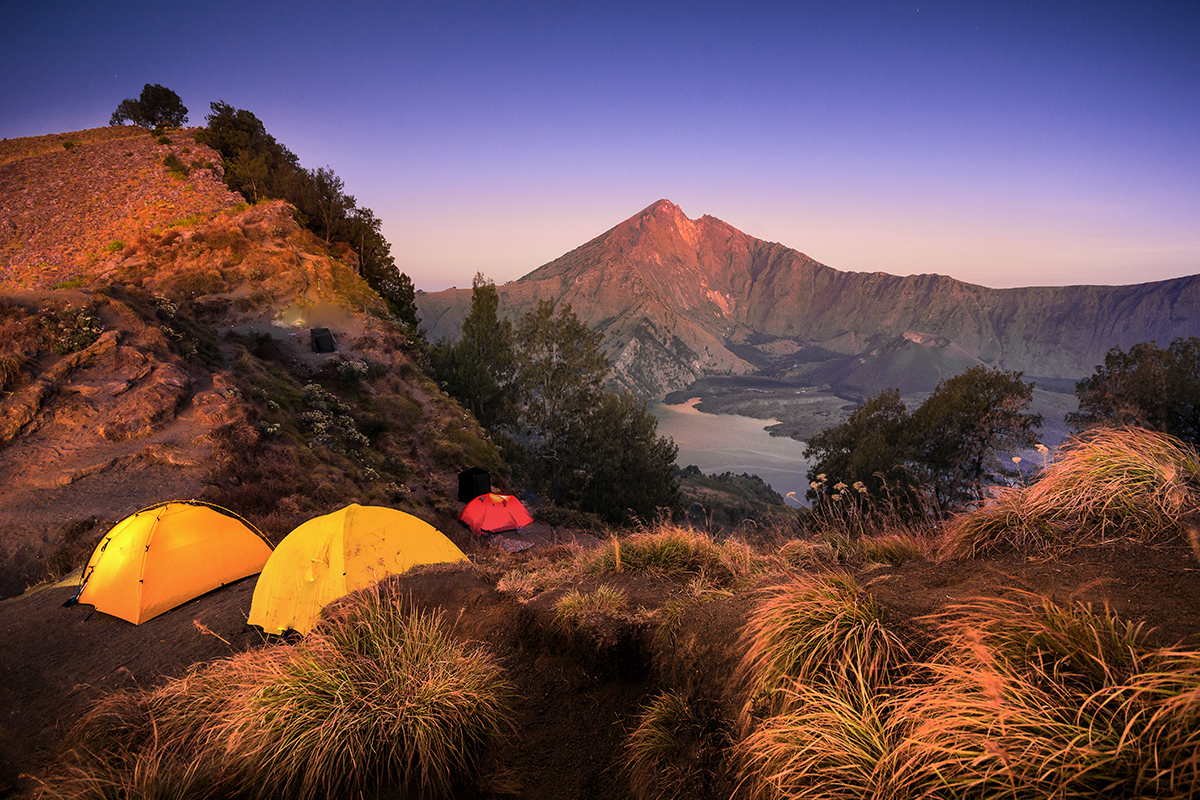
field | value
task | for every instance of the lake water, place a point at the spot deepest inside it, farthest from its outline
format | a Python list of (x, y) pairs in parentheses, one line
[(718, 443)]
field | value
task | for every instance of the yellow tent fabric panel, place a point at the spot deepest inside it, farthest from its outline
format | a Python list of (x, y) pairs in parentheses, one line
[(166, 555), (333, 555)]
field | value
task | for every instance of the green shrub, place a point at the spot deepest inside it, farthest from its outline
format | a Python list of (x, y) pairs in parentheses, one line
[(71, 283), (175, 166), (73, 328)]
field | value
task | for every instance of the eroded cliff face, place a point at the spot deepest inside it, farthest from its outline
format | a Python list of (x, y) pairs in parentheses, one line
[(677, 299)]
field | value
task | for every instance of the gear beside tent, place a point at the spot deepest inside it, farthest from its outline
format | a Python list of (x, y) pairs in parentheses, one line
[(333, 555), (494, 513), (167, 554)]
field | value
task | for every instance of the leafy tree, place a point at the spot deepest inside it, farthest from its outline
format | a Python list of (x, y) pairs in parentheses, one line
[(871, 448), (584, 447), (328, 204), (478, 369), (255, 164), (402, 296), (1146, 387), (157, 107), (962, 428), (943, 450), (621, 468), (560, 371)]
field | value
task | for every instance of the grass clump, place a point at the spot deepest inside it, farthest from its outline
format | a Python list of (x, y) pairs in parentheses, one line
[(1127, 482), (574, 607), (893, 548), (822, 631), (676, 750), (1030, 698), (817, 674), (1022, 698), (377, 698), (834, 743), (673, 552)]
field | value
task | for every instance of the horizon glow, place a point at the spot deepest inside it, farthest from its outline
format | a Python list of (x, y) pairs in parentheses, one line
[(1016, 146)]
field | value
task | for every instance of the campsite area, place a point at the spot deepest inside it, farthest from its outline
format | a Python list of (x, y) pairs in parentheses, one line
[(159, 333), (579, 691)]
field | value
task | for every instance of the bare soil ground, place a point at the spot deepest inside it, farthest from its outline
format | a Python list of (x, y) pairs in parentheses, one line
[(578, 694)]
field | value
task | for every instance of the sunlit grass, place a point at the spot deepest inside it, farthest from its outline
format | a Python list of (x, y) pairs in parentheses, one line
[(1129, 483), (377, 697), (815, 631), (1022, 698), (575, 606), (674, 552), (834, 743)]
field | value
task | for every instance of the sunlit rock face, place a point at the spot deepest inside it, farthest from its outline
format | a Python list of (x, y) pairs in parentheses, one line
[(677, 299)]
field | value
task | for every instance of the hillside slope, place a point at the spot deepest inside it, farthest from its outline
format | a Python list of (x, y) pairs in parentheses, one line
[(155, 345)]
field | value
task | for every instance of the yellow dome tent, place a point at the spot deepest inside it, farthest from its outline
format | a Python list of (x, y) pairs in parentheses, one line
[(167, 554), (333, 555)]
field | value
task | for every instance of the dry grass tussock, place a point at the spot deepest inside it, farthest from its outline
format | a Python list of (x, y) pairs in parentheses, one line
[(1126, 483), (675, 750), (1022, 698), (814, 630), (378, 697), (678, 552), (829, 548)]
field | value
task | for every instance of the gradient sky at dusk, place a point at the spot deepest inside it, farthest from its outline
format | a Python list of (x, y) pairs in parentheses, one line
[(1002, 143)]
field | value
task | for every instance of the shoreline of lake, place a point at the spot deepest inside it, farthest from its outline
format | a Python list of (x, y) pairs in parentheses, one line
[(718, 443)]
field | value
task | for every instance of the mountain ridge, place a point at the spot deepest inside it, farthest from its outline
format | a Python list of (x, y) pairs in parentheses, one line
[(677, 299)]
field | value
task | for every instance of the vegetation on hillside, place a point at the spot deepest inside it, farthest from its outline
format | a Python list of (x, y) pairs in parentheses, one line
[(1148, 387), (935, 460), (358, 430), (259, 167), (157, 107), (540, 388)]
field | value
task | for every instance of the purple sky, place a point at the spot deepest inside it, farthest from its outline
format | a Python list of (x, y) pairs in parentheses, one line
[(1007, 144)]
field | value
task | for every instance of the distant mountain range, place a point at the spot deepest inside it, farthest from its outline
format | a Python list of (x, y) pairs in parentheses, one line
[(678, 299)]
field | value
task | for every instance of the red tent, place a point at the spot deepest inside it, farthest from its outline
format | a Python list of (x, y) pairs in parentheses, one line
[(492, 513)]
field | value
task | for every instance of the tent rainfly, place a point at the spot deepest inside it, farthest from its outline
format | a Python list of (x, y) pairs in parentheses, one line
[(333, 555), (494, 513), (167, 554)]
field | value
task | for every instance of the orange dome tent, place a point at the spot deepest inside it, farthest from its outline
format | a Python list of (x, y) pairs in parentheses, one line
[(493, 513), (167, 554), (335, 554)]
